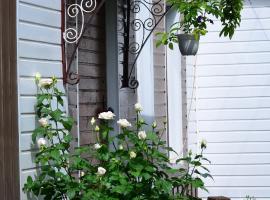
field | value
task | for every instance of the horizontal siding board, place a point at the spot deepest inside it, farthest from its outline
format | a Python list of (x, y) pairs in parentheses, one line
[(230, 70), (28, 86), (232, 114), (28, 103), (240, 147), (232, 92), (235, 58), (52, 4), (35, 50), (230, 81), (236, 136), (246, 24), (240, 160), (39, 33), (234, 47), (28, 123), (239, 181), (240, 170), (234, 103), (235, 125), (38, 15), (240, 192), (31, 67), (240, 36), (27, 160)]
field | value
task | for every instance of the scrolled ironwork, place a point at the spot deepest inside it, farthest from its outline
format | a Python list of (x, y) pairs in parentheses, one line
[(155, 13), (72, 35)]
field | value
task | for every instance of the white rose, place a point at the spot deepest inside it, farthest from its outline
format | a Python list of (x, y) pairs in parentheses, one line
[(154, 125), (132, 154), (203, 144), (97, 128), (43, 122), (92, 121), (123, 123), (41, 142), (37, 77), (82, 173), (101, 171), (106, 115), (45, 82), (120, 147), (97, 146), (138, 107), (141, 135)]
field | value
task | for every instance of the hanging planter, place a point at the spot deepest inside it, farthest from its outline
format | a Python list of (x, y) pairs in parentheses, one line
[(195, 18), (188, 44)]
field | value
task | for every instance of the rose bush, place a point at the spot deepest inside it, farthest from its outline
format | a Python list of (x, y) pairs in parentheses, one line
[(131, 165)]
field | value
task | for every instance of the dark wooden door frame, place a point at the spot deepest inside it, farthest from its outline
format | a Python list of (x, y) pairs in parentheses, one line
[(9, 136)]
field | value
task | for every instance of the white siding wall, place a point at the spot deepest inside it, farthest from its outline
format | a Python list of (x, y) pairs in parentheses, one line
[(232, 105), (39, 50)]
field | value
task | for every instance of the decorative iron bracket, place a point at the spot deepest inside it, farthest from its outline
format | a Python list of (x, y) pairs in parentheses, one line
[(132, 8), (73, 36), (130, 24)]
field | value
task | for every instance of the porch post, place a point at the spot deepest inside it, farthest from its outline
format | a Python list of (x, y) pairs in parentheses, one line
[(112, 73), (9, 137)]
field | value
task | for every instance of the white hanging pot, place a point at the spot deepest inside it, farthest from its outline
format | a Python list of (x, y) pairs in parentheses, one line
[(188, 45)]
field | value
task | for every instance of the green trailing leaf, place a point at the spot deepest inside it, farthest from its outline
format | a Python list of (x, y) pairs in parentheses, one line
[(198, 15)]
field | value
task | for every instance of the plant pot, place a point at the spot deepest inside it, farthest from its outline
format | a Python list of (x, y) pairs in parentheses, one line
[(188, 45)]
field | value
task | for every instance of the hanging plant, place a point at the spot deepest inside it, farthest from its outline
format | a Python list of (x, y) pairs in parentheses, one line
[(197, 15)]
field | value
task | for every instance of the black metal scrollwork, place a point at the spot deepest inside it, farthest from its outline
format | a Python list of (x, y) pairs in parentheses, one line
[(130, 10)]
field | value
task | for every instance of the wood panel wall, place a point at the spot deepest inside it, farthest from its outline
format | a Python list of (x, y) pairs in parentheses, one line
[(91, 65), (160, 78), (9, 142)]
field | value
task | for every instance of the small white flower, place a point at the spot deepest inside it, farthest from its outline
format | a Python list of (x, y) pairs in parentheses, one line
[(123, 123), (43, 122), (106, 115), (45, 82), (101, 171), (41, 142), (97, 128), (154, 125), (203, 144), (37, 77), (82, 173), (120, 147), (138, 107), (142, 135), (97, 146), (92, 121), (132, 154)]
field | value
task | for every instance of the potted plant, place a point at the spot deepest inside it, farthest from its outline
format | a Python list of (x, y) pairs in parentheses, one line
[(197, 15)]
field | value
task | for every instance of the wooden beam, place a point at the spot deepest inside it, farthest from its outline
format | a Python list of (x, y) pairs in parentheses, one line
[(9, 138)]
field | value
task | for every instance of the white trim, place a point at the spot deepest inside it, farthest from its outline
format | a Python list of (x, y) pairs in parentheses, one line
[(145, 71), (174, 93)]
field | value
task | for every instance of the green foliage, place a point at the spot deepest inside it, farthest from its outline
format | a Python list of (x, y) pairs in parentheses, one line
[(133, 164), (197, 15)]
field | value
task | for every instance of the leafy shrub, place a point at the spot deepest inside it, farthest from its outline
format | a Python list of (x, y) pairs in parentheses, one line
[(133, 164)]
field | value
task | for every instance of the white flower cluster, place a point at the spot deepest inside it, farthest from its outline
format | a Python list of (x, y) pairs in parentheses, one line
[(41, 142), (124, 123), (106, 115), (101, 171), (138, 107), (43, 122), (142, 135)]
